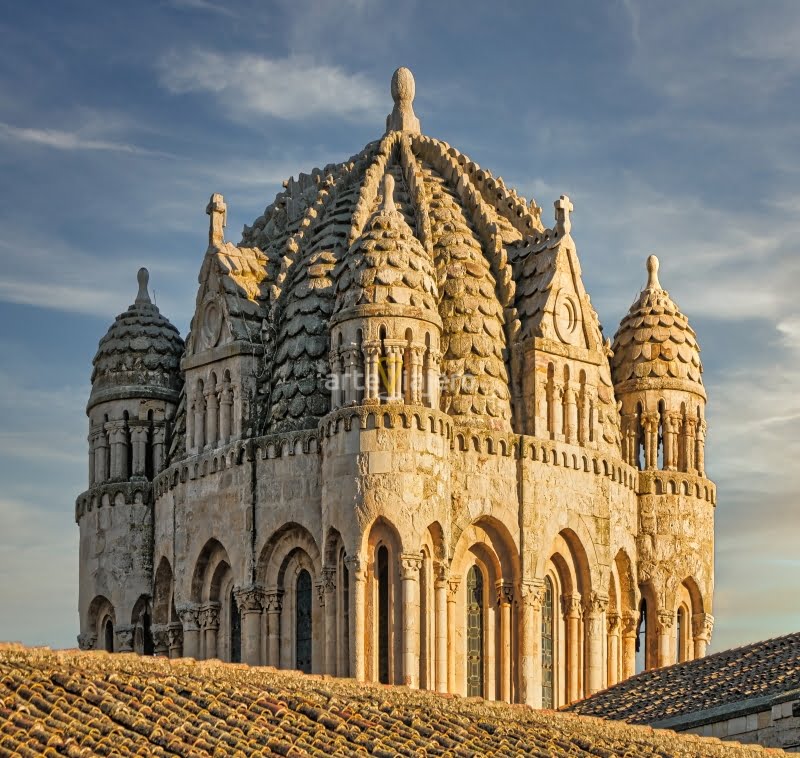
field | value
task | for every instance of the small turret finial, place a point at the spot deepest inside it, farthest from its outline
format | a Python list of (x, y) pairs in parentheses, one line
[(218, 211), (387, 205), (143, 296), (652, 274), (402, 118), (563, 208)]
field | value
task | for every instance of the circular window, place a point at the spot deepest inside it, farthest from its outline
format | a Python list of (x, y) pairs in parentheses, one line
[(212, 324), (566, 317)]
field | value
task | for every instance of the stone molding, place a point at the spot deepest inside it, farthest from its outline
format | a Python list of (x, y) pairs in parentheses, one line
[(87, 641), (249, 599)]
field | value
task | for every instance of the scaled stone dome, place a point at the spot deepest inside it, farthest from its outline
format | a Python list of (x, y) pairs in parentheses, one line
[(140, 354), (457, 216), (655, 346)]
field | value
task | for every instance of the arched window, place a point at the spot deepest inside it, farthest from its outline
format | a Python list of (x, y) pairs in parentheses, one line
[(475, 632), (641, 639), (303, 622), (547, 645), (680, 630), (382, 571), (108, 633), (235, 630)]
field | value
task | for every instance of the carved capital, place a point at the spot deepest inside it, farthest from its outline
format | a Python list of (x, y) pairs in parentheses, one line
[(355, 568), (531, 594), (571, 605), (440, 572), (124, 637), (273, 601), (505, 592), (160, 634), (328, 580), (613, 621), (189, 614), (702, 626), (595, 604), (650, 421), (175, 634), (209, 616), (249, 599), (665, 620), (410, 564), (630, 623), (453, 583), (87, 641)]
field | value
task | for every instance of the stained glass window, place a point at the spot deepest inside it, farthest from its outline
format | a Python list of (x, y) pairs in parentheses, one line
[(303, 622), (475, 632), (548, 623)]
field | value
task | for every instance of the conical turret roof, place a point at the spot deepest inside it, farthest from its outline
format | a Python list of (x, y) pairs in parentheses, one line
[(655, 346), (139, 355)]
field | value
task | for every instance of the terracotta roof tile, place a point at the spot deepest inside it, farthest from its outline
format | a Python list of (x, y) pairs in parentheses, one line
[(759, 670), (80, 704)]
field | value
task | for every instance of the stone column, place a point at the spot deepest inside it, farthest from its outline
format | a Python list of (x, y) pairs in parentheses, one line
[(440, 634), (452, 589), (159, 435), (189, 421), (415, 382), (570, 413), (189, 613), (160, 634), (689, 441), (329, 599), (702, 627), (251, 602), (123, 634), (700, 453), (212, 407), (613, 622), (432, 379), (669, 441), (199, 422), (571, 606), (91, 440), (335, 362), (139, 433), (372, 356), (584, 416), (358, 585), (665, 621), (630, 623), (650, 426), (119, 449), (410, 564), (225, 412), (394, 370), (555, 410), (100, 456), (87, 641), (530, 635), (274, 606), (505, 598), (209, 622), (594, 608), (175, 638)]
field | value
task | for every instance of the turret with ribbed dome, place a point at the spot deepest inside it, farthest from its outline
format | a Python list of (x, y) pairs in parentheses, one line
[(657, 376)]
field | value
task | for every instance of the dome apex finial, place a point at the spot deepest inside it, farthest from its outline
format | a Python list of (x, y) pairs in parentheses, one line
[(402, 118), (652, 273), (143, 296)]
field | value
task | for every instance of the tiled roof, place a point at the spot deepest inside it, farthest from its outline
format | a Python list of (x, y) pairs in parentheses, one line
[(81, 704), (685, 691)]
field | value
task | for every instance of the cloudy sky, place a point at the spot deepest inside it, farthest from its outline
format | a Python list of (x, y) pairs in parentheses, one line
[(672, 126)]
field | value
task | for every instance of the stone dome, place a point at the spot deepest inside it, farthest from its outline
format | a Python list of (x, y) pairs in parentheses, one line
[(655, 347), (463, 218), (140, 354)]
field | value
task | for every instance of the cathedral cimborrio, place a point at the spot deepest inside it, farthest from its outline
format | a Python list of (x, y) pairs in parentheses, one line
[(395, 446)]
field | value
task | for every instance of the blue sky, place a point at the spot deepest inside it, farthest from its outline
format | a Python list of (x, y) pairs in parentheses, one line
[(672, 126)]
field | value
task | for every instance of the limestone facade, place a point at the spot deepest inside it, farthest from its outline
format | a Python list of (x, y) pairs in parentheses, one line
[(397, 447)]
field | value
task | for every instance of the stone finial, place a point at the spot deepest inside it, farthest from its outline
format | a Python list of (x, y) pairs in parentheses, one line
[(563, 208), (387, 203), (143, 296), (218, 212), (402, 118), (652, 274)]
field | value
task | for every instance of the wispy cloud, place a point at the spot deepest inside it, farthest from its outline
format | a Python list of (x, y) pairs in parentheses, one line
[(249, 85), (70, 140)]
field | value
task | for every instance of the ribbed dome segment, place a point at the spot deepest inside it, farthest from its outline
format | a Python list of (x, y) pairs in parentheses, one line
[(139, 355), (387, 264), (655, 345)]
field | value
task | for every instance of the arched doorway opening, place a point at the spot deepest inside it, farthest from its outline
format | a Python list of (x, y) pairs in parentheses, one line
[(303, 638)]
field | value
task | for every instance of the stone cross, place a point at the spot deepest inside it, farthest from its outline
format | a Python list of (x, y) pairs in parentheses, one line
[(563, 208), (218, 212)]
